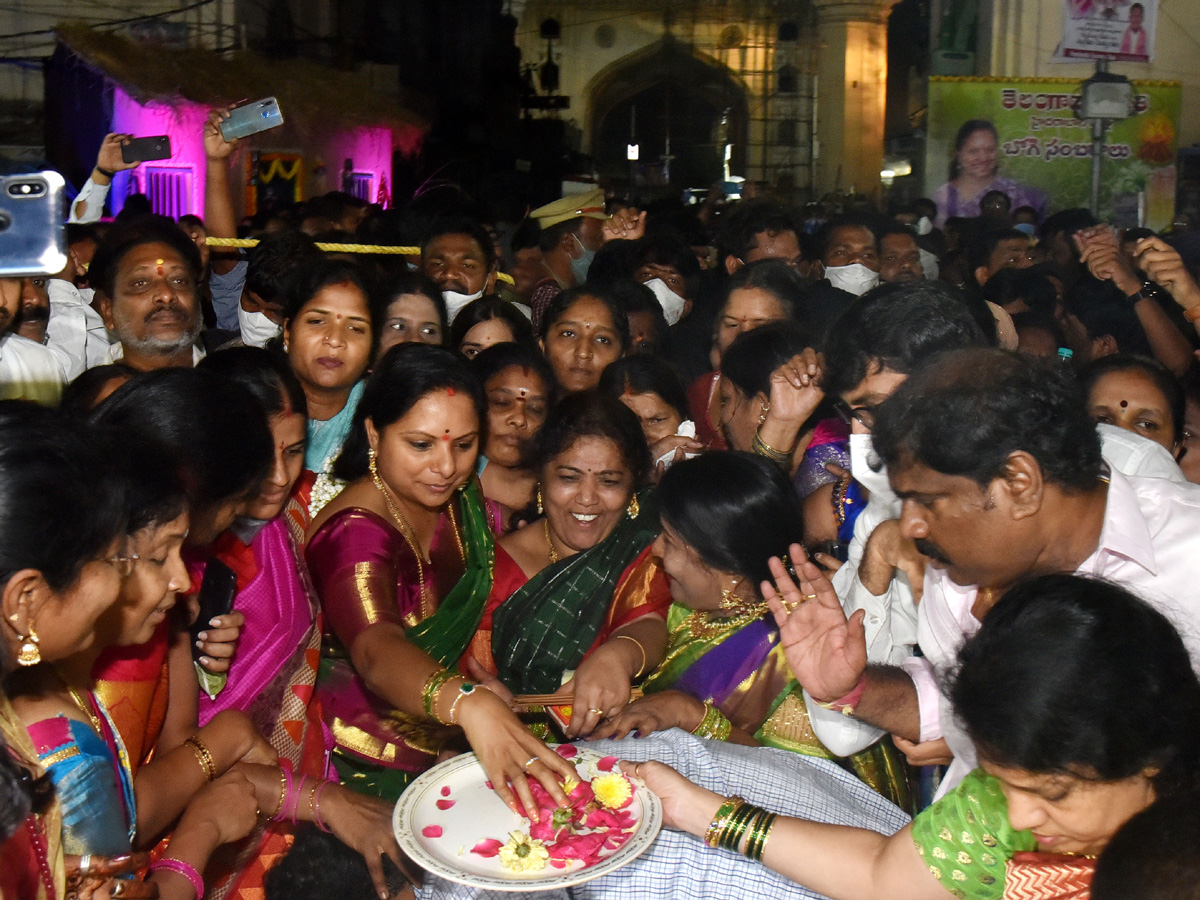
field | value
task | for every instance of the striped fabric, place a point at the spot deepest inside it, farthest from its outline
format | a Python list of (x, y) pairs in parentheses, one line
[(680, 866)]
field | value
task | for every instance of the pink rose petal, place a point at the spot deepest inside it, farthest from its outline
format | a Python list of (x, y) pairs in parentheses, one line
[(488, 848), (558, 864), (567, 751), (446, 790), (489, 786), (606, 764), (445, 804), (432, 831)]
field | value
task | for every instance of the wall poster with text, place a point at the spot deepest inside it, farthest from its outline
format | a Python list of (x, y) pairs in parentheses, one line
[(1041, 144)]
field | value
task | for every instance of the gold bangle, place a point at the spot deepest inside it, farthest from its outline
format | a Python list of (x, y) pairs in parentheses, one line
[(283, 783), (714, 725), (713, 835), (203, 757), (761, 448), (638, 644), (432, 689)]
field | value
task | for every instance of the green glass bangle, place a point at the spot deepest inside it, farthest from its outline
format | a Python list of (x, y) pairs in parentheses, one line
[(732, 836)]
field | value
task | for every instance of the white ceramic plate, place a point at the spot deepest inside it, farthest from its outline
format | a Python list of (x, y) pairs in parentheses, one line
[(477, 814)]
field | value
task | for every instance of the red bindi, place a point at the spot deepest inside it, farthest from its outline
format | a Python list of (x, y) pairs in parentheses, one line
[(450, 391), (1124, 404)]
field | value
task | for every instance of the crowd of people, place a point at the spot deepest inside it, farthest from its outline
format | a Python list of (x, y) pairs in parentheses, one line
[(868, 544)]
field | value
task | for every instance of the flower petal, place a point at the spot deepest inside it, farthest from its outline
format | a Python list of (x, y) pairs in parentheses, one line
[(445, 804), (606, 764), (487, 848), (432, 831), (567, 751), (446, 790)]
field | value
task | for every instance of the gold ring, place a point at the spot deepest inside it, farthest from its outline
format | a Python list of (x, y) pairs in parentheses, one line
[(637, 771), (791, 607), (118, 889), (598, 712), (809, 596), (529, 762)]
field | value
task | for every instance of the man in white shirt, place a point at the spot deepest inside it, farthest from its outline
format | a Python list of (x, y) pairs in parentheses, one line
[(28, 371), (75, 332), (999, 472)]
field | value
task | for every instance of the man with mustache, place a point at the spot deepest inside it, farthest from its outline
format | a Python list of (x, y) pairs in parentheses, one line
[(28, 371), (1000, 477), (34, 312), (144, 273)]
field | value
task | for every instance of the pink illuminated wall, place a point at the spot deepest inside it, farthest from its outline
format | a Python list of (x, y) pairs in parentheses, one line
[(183, 122), (370, 148)]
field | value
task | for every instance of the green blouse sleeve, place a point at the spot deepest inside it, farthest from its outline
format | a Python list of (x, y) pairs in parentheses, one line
[(966, 841)]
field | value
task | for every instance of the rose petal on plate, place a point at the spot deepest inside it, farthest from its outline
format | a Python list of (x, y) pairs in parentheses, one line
[(432, 831), (487, 848), (446, 790), (567, 751), (489, 785), (558, 863), (606, 764), (445, 804)]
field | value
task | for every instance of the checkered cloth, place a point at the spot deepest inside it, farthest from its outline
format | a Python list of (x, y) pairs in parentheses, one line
[(680, 866)]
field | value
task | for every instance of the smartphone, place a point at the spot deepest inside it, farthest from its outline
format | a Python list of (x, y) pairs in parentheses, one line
[(217, 592), (147, 148), (33, 239), (252, 118)]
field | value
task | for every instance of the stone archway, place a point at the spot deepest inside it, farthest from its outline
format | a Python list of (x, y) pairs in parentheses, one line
[(667, 85)]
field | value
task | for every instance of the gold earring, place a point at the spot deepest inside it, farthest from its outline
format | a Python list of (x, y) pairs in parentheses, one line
[(30, 654), (539, 502), (730, 600), (633, 509), (374, 469), (762, 415)]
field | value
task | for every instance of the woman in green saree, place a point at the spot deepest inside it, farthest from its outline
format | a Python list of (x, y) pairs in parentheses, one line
[(402, 562), (578, 590), (724, 514)]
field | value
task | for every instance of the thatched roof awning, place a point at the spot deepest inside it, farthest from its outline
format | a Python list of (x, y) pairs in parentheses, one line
[(314, 98)]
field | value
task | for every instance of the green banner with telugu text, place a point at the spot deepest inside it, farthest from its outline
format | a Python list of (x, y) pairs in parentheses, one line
[(1043, 145)]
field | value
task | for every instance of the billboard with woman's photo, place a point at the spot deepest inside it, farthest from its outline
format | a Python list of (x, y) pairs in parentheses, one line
[(1021, 136)]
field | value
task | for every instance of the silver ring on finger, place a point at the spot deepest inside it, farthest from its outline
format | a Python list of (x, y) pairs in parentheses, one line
[(529, 762)]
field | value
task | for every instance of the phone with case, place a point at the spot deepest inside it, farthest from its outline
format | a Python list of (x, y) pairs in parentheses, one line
[(261, 115), (144, 149), (32, 236)]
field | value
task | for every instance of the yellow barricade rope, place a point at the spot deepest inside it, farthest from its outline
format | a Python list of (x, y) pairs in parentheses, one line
[(338, 248)]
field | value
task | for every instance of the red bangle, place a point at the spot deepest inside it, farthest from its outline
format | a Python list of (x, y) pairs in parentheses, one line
[(187, 870), (845, 705)]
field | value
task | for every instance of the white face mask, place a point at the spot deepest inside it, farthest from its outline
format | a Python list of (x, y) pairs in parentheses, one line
[(924, 226), (672, 304), (855, 278), (456, 301), (861, 454), (256, 328)]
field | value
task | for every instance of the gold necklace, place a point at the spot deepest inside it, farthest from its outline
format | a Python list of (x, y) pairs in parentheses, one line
[(457, 537), (549, 543), (703, 625), (86, 709), (406, 532)]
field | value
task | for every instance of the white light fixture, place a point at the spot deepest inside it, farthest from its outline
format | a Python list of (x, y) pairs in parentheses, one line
[(631, 152)]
